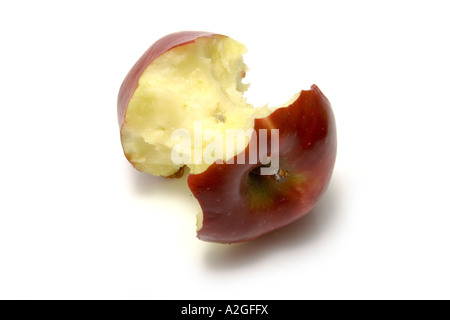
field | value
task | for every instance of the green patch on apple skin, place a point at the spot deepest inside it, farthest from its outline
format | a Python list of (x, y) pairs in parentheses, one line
[(264, 192)]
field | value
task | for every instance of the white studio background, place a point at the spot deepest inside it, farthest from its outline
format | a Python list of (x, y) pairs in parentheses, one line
[(77, 222)]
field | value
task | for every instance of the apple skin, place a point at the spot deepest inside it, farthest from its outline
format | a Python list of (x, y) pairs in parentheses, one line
[(239, 205), (164, 44)]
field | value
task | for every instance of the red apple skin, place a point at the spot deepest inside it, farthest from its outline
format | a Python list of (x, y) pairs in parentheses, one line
[(164, 44), (238, 205)]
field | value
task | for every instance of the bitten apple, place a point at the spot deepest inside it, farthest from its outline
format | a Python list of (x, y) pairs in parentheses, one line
[(182, 78), (188, 77), (239, 204)]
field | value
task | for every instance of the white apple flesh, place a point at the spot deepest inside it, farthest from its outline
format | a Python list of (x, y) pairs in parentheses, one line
[(196, 81)]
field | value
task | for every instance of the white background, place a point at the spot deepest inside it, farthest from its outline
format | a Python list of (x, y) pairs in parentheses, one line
[(77, 221)]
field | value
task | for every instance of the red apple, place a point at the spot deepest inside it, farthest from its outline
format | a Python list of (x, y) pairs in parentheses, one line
[(240, 204), (188, 77)]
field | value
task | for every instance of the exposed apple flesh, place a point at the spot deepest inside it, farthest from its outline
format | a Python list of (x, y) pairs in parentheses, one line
[(183, 78), (239, 204)]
